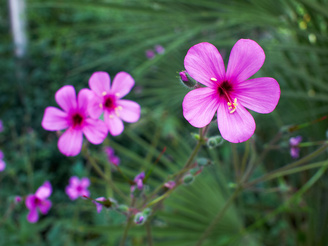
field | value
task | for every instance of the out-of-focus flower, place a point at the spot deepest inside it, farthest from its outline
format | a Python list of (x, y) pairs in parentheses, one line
[(139, 180), (294, 146), (17, 199), (159, 49), (38, 201), (74, 117), (228, 92), (170, 184), (106, 98), (112, 158), (98, 205), (1, 126), (150, 54), (2, 162), (77, 188)]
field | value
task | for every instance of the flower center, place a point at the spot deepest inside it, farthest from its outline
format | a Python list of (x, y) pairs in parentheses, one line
[(77, 120), (224, 90), (109, 103)]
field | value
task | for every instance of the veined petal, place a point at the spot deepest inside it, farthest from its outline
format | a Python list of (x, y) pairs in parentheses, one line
[(83, 99), (66, 98), (95, 130), (70, 143), (114, 124), (200, 105), (54, 119), (203, 62), (45, 206), (260, 95), (33, 216), (235, 127), (246, 58), (122, 84), (44, 191), (99, 82), (95, 107), (128, 111)]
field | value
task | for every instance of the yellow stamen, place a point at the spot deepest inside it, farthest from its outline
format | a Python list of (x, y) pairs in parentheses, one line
[(232, 106), (213, 79), (119, 107), (111, 116), (117, 94), (100, 105), (104, 93)]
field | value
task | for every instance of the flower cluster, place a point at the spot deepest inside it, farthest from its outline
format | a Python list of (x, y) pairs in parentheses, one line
[(80, 115)]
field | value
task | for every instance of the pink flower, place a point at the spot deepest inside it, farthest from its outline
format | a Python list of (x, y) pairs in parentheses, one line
[(159, 49), (170, 184), (294, 146), (77, 188), (150, 54), (112, 158), (17, 199), (138, 180), (74, 117), (2, 162), (98, 205), (38, 201), (228, 92), (106, 98)]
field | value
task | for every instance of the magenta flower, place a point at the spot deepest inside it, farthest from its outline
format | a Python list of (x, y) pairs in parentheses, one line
[(2, 162), (294, 146), (38, 201), (77, 188), (228, 92), (112, 158), (159, 49), (74, 117), (138, 180), (17, 199), (150, 54), (170, 184), (98, 205), (106, 98)]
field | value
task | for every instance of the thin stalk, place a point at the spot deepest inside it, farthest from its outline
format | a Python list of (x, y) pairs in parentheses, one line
[(149, 235), (128, 224), (218, 217)]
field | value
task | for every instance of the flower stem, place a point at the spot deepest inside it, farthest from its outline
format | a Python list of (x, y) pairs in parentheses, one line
[(149, 236), (128, 224), (218, 217)]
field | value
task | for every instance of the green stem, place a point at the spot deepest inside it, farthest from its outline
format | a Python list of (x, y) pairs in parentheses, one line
[(128, 224), (149, 236), (218, 217)]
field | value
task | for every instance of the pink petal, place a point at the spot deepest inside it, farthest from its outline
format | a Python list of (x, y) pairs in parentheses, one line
[(45, 206), (99, 82), (85, 182), (70, 143), (200, 105), (94, 108), (246, 58), (2, 165), (130, 111), (33, 216), (29, 201), (83, 100), (114, 124), (122, 84), (235, 127), (71, 192), (203, 62), (95, 130), (66, 98), (44, 191), (260, 95), (54, 119), (74, 181)]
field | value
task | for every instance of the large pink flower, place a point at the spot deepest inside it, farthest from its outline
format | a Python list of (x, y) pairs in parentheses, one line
[(107, 99), (228, 92), (75, 118), (38, 201)]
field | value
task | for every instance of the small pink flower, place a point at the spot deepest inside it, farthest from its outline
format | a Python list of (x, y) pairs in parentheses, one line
[(159, 49), (38, 201), (228, 92), (112, 158), (170, 184), (150, 54), (77, 188), (294, 146), (2, 162), (98, 205), (74, 117), (138, 180), (106, 98), (17, 199)]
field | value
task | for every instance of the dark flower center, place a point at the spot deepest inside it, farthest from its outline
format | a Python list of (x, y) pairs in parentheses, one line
[(224, 90), (109, 102), (77, 120), (37, 201)]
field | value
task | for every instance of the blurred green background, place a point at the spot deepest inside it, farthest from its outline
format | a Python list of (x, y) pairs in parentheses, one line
[(69, 40)]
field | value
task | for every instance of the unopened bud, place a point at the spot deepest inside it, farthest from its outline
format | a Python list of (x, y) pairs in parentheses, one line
[(139, 218), (186, 80), (195, 136), (188, 179), (215, 141), (201, 161), (123, 208)]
